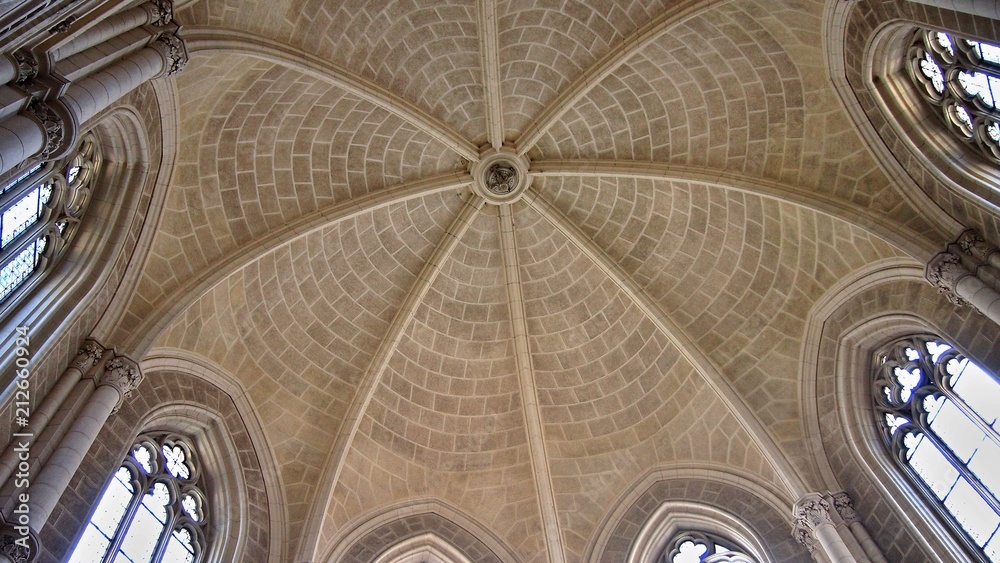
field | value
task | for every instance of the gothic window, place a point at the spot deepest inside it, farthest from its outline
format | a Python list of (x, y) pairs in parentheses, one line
[(152, 510), (700, 547), (961, 78), (40, 210), (938, 414)]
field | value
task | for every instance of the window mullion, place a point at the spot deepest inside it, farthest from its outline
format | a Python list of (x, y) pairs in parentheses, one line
[(961, 467), (23, 240), (126, 522), (168, 528), (31, 182), (974, 416)]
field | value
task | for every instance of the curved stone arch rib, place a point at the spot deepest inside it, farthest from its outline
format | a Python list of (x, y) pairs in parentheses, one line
[(202, 39), (886, 271), (197, 408), (836, 18), (607, 64), (166, 94), (334, 463), (160, 318), (770, 498), (428, 548), (673, 517), (369, 523), (862, 439), (908, 241), (676, 335), (173, 359), (489, 45)]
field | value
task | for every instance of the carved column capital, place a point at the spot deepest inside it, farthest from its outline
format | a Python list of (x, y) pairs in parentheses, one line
[(174, 52), (845, 507), (805, 538), (27, 67), (975, 245), (53, 125), (18, 543), (123, 374), (161, 12), (944, 272), (811, 511), (88, 355)]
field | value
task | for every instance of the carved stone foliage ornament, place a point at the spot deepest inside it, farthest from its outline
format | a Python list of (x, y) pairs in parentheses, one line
[(27, 67), (16, 546), (174, 52), (944, 271), (55, 128), (123, 374), (88, 355), (501, 178), (976, 246), (842, 502), (812, 512), (161, 12)]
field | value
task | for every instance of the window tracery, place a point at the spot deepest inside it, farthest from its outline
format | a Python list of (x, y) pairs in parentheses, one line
[(153, 510), (961, 77), (701, 547), (40, 210), (938, 414)]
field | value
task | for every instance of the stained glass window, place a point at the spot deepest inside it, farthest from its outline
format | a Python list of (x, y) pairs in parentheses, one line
[(39, 211), (701, 547), (938, 411), (152, 510), (961, 78)]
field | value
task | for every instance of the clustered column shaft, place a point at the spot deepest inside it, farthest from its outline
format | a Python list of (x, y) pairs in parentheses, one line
[(101, 379), (830, 529), (46, 127), (968, 272)]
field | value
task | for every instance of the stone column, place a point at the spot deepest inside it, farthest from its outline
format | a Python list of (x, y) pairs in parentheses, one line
[(86, 362), (845, 509), (45, 129), (961, 286), (156, 13), (19, 67), (812, 520), (985, 8), (40, 130), (91, 95), (114, 383)]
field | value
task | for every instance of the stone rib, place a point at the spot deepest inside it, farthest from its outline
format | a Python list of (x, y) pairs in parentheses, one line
[(489, 39), (608, 64), (703, 365), (529, 395), (211, 40), (366, 390)]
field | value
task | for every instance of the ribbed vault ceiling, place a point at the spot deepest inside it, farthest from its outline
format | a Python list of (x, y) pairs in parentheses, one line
[(696, 188)]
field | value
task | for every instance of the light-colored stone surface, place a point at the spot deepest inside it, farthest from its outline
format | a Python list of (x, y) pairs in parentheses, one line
[(665, 321)]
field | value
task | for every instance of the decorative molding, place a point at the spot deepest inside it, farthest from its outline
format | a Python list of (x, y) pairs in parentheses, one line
[(88, 355), (174, 52), (804, 537), (53, 125), (124, 375), (18, 543), (975, 245), (811, 512), (161, 12), (944, 272), (27, 67), (845, 507), (63, 26), (501, 178)]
